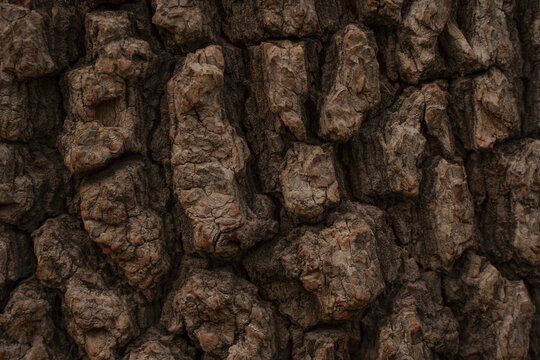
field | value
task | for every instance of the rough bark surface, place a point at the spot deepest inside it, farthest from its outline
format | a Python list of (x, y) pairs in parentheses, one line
[(269, 179)]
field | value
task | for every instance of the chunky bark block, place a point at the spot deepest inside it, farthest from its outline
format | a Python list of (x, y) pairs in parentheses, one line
[(495, 314), (351, 80), (329, 272), (105, 118), (208, 158)]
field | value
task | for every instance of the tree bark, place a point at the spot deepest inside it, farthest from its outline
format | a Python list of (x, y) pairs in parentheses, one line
[(269, 179)]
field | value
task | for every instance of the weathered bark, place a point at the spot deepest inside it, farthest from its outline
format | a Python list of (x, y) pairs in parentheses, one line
[(269, 179)]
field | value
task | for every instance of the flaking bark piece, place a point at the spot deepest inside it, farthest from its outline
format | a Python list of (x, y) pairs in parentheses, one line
[(308, 181), (186, 23), (289, 17), (511, 224), (286, 84), (119, 215), (485, 109), (325, 344), (386, 156), (386, 12), (419, 326), (105, 117), (223, 315), (329, 272), (482, 35), (494, 313), (29, 327), (416, 52), (350, 82), (208, 158), (100, 314), (157, 344), (447, 216)]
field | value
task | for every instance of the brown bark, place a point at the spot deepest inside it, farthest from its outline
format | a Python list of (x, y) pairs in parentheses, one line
[(269, 179)]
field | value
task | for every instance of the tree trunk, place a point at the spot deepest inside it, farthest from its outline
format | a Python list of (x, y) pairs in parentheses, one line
[(269, 179)]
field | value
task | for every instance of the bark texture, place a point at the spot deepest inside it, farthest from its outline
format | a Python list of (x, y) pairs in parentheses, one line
[(269, 179)]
